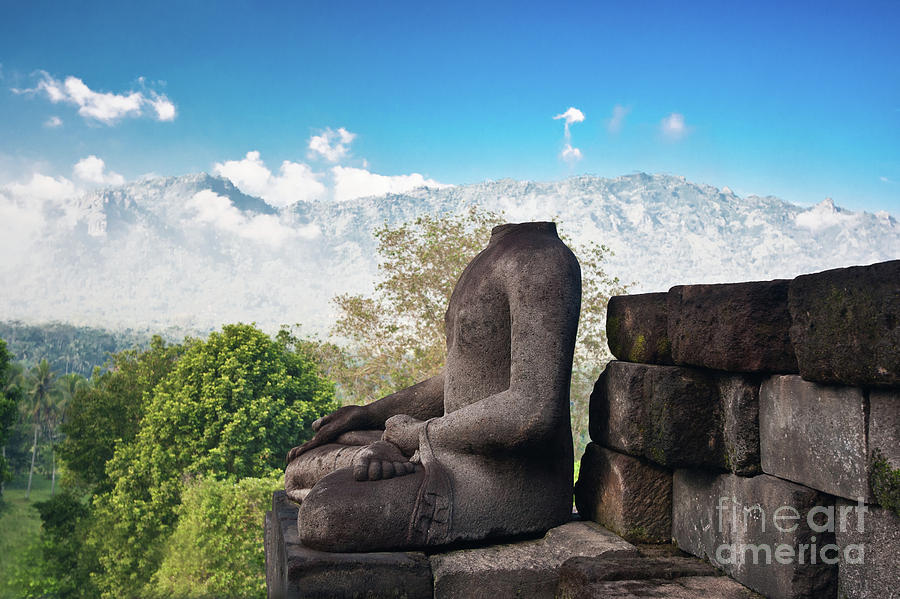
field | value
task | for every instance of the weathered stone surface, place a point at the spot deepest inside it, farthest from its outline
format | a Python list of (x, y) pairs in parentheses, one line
[(584, 570), (738, 327), (739, 396), (524, 569), (747, 526), (627, 495), (678, 417), (637, 328), (870, 552), (690, 587), (490, 436), (295, 571), (884, 425), (884, 447), (668, 414), (815, 435), (846, 325)]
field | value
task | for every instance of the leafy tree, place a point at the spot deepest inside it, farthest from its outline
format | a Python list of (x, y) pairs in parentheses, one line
[(108, 411), (55, 564), (228, 410), (217, 547), (10, 395), (396, 336), (39, 405)]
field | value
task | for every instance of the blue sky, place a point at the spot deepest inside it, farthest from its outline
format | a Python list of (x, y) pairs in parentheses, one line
[(799, 100)]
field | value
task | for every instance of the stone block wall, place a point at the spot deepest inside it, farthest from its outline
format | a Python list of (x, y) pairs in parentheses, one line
[(757, 425)]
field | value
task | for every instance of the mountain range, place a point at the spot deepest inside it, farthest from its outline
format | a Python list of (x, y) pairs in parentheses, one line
[(187, 254)]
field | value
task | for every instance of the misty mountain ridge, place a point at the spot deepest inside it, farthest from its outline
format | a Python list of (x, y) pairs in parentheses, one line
[(193, 252)]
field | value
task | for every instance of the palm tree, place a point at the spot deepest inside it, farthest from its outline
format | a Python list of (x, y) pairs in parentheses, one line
[(63, 391), (40, 383)]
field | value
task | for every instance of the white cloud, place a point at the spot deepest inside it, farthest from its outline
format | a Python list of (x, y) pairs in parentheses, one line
[(884, 180), (53, 122), (165, 109), (824, 215), (20, 225), (93, 170), (43, 188), (618, 118), (221, 213), (104, 107), (295, 181), (570, 154), (331, 145), (350, 183), (673, 126), (572, 115)]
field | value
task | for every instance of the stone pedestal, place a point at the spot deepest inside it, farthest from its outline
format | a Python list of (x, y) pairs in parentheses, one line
[(294, 571), (528, 568)]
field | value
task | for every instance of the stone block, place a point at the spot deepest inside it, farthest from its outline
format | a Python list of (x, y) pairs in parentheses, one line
[(524, 569), (739, 398), (627, 495), (738, 327), (869, 545), (846, 325), (637, 328), (673, 577), (815, 435), (884, 447), (678, 417), (757, 530), (667, 414), (295, 571)]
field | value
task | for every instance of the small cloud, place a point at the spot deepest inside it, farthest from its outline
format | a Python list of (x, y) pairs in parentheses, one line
[(93, 170), (572, 115), (219, 211), (53, 122), (295, 181), (570, 154), (617, 120), (331, 145), (673, 126), (351, 183), (885, 180), (105, 107)]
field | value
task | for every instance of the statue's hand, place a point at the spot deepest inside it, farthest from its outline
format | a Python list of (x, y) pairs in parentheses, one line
[(330, 427), (403, 431), (381, 460)]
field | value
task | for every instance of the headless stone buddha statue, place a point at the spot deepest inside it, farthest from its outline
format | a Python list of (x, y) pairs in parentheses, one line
[(482, 451)]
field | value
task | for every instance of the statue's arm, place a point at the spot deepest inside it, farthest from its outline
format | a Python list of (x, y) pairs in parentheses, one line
[(421, 401), (544, 294)]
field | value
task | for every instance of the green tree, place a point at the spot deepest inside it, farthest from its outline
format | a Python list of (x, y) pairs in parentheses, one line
[(108, 411), (217, 547), (10, 395), (396, 336), (230, 408), (39, 406)]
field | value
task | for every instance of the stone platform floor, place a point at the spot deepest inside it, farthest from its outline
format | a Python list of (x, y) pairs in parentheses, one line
[(578, 560)]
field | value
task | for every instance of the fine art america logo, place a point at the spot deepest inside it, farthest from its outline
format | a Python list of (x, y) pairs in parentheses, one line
[(815, 537)]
